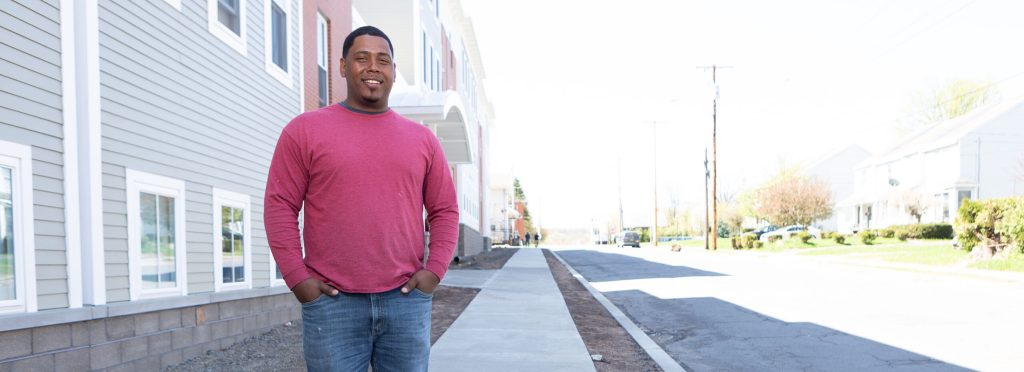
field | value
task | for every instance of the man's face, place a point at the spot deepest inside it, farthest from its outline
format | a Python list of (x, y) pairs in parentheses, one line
[(369, 72)]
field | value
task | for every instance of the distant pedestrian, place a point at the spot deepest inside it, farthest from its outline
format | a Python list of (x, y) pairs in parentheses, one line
[(527, 239), (363, 175), (536, 240)]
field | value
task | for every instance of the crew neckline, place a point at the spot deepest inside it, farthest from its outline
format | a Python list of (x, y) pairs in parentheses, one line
[(363, 112)]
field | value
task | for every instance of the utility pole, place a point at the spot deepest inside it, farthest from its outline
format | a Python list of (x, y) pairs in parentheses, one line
[(654, 229), (620, 196), (714, 154), (707, 174)]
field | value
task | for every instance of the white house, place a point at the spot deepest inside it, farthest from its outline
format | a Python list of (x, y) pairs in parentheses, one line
[(976, 156), (836, 169)]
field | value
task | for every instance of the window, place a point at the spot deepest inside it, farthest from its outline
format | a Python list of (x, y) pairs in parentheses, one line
[(323, 83), (17, 258), (276, 35), (432, 80), (226, 21), (425, 63), (156, 235), (228, 15), (232, 256)]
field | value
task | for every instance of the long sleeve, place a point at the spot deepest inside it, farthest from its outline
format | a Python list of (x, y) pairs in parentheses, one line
[(286, 188), (442, 211)]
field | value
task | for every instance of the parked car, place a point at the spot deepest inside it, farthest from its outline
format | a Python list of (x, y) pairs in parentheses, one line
[(629, 238), (764, 230), (789, 231)]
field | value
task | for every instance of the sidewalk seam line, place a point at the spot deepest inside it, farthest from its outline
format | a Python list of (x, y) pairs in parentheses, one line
[(665, 361)]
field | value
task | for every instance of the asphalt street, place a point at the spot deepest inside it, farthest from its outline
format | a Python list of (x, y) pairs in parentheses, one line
[(751, 311)]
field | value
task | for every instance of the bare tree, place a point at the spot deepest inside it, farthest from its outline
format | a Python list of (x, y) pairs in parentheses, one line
[(792, 198), (912, 202)]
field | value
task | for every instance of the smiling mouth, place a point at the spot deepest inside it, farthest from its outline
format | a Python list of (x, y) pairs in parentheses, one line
[(373, 83)]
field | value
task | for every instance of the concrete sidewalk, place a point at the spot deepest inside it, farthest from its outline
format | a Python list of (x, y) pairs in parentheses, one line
[(518, 322)]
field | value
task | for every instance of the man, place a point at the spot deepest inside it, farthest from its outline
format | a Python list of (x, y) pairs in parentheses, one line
[(362, 175), (527, 239)]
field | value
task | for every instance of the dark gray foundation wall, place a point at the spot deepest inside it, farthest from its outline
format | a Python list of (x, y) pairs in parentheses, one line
[(145, 341), (470, 242)]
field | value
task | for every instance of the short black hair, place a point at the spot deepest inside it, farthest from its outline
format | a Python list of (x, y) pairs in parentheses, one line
[(365, 30)]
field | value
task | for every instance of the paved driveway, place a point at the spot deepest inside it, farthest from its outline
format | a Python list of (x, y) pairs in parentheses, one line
[(749, 311)]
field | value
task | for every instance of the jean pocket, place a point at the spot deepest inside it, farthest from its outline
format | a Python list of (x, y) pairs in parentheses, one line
[(313, 302), (420, 293)]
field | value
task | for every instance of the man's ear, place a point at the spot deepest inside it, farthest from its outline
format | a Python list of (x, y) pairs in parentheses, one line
[(341, 65)]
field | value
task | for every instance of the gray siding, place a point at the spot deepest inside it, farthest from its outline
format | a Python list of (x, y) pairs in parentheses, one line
[(30, 114), (178, 102)]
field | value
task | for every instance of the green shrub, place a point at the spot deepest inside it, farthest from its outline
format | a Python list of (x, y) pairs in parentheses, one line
[(867, 237), (827, 234), (750, 241), (902, 236), (994, 221), (774, 238), (886, 233), (758, 244), (804, 236), (925, 230), (839, 238), (736, 243)]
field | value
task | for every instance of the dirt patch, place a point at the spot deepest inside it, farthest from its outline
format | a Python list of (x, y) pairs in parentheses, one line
[(449, 302), (280, 349), (490, 260), (601, 333)]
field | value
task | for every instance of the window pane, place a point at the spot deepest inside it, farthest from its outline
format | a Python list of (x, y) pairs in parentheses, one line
[(227, 14), (225, 246), (321, 77), (279, 27), (149, 263), (166, 241), (239, 260), (7, 280)]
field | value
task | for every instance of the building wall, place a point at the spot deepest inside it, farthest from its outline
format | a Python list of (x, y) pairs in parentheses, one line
[(179, 102), (31, 114), (339, 17)]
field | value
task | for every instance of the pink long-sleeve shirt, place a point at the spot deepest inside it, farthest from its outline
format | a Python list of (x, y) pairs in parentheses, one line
[(365, 180)]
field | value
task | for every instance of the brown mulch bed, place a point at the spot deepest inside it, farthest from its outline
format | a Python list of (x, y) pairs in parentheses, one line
[(601, 333), (280, 349)]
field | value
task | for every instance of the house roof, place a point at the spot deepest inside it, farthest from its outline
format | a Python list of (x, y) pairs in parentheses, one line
[(942, 134)]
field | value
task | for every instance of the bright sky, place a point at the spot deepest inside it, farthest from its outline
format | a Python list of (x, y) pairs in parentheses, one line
[(576, 86)]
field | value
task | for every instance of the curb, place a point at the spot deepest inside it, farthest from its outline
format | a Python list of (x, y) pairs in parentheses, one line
[(652, 349)]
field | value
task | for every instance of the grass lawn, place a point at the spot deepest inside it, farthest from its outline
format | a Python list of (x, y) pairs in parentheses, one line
[(922, 252)]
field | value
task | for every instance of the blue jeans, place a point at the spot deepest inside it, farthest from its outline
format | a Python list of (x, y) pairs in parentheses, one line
[(350, 331)]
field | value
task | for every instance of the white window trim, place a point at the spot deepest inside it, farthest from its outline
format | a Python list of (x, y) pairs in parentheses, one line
[(175, 3), (18, 157), (274, 281), (236, 42), (223, 198), (326, 50), (136, 183), (282, 75)]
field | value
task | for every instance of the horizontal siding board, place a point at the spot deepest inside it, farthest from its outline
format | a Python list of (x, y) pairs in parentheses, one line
[(116, 247), (13, 124), (115, 233), (152, 163), (115, 207), (49, 228), (44, 213), (115, 219), (48, 156), (48, 199), (113, 169), (51, 286), (46, 169), (52, 301), (50, 243), (116, 257), (51, 272), (116, 269), (47, 184), (50, 256)]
